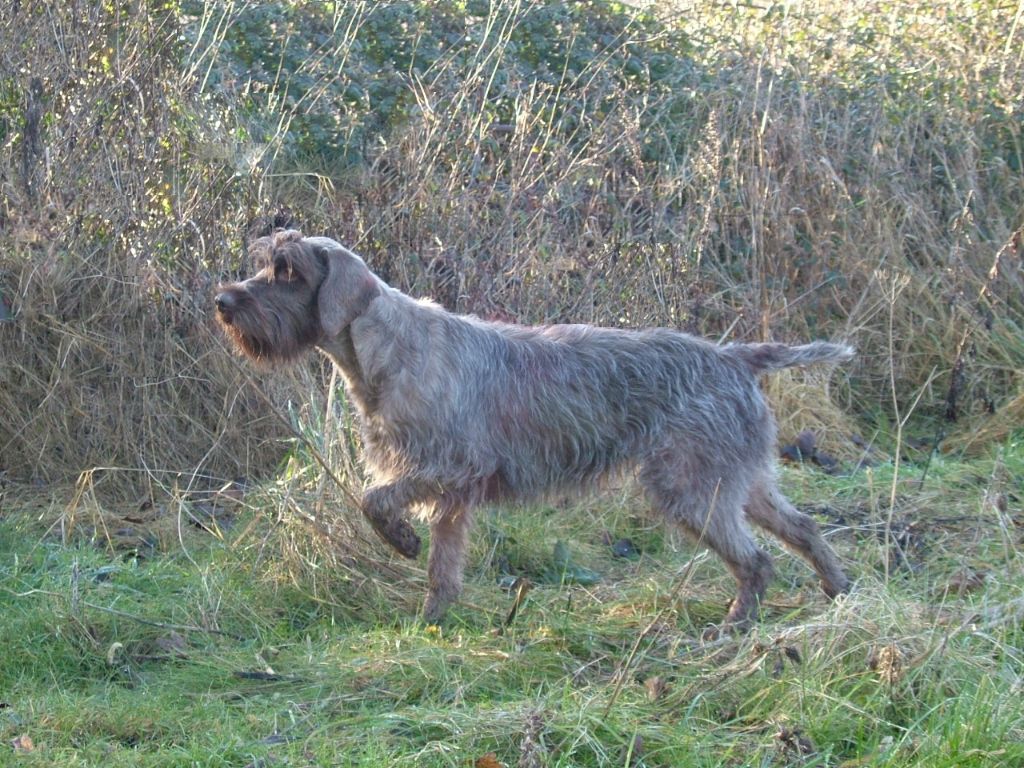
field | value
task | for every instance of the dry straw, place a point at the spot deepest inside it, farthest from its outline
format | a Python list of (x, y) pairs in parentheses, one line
[(772, 193)]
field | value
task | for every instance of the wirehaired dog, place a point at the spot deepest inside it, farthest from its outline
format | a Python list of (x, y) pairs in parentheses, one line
[(457, 412)]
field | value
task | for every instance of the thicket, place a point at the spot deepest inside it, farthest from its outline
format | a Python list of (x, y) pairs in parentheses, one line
[(740, 172)]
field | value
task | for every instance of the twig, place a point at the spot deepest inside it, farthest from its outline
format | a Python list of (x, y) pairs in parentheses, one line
[(898, 284), (523, 586)]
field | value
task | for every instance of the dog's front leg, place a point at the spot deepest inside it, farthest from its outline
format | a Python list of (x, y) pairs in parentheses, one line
[(449, 534), (385, 506)]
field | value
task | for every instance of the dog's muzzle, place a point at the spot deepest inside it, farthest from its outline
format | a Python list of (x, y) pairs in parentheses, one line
[(226, 305)]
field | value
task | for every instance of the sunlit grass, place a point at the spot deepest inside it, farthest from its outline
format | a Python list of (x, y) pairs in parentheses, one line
[(918, 667), (747, 171)]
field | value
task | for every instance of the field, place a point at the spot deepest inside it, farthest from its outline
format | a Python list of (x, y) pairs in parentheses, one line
[(249, 645), (182, 584)]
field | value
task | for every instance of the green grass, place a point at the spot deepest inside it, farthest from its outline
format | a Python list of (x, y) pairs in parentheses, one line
[(917, 667)]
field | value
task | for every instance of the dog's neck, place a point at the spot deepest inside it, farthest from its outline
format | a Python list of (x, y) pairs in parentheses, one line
[(364, 351), (342, 351)]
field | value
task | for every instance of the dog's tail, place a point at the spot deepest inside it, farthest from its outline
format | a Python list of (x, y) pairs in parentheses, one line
[(771, 357)]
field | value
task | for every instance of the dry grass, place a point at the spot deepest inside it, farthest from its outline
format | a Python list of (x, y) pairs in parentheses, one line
[(833, 171), (109, 234)]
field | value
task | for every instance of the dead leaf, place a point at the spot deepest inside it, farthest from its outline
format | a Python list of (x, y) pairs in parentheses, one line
[(113, 652), (887, 662), (490, 760), (656, 687), (792, 654), (793, 740), (522, 585), (23, 744)]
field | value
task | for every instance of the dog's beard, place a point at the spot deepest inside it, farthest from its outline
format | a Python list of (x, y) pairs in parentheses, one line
[(258, 346), (268, 340)]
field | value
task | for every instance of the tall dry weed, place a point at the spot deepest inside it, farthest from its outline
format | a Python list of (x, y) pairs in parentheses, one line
[(113, 237), (772, 183)]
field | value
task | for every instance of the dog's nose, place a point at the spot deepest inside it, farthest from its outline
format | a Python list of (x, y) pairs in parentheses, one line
[(224, 301)]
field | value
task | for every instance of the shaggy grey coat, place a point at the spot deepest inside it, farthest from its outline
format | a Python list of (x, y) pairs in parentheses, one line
[(457, 412)]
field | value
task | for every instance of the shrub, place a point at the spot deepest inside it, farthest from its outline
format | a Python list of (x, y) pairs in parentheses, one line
[(851, 171)]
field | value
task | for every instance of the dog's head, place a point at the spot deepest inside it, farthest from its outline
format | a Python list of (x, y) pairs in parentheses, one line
[(307, 290)]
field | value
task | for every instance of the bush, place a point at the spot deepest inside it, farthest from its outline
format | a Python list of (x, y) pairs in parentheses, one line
[(743, 174)]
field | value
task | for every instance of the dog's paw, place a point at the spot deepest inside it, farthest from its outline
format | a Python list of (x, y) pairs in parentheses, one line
[(839, 586), (435, 608), (399, 534)]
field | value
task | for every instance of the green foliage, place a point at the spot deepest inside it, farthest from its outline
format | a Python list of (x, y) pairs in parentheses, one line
[(343, 78), (329, 82)]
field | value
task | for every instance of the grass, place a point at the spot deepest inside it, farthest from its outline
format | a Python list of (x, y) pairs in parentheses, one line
[(258, 651), (746, 171)]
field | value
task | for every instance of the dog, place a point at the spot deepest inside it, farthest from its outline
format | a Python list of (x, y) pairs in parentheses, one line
[(457, 412)]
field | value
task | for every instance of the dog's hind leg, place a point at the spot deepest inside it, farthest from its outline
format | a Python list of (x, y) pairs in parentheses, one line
[(768, 508), (707, 505)]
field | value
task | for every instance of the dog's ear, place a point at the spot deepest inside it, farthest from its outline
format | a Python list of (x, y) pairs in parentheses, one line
[(347, 289)]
